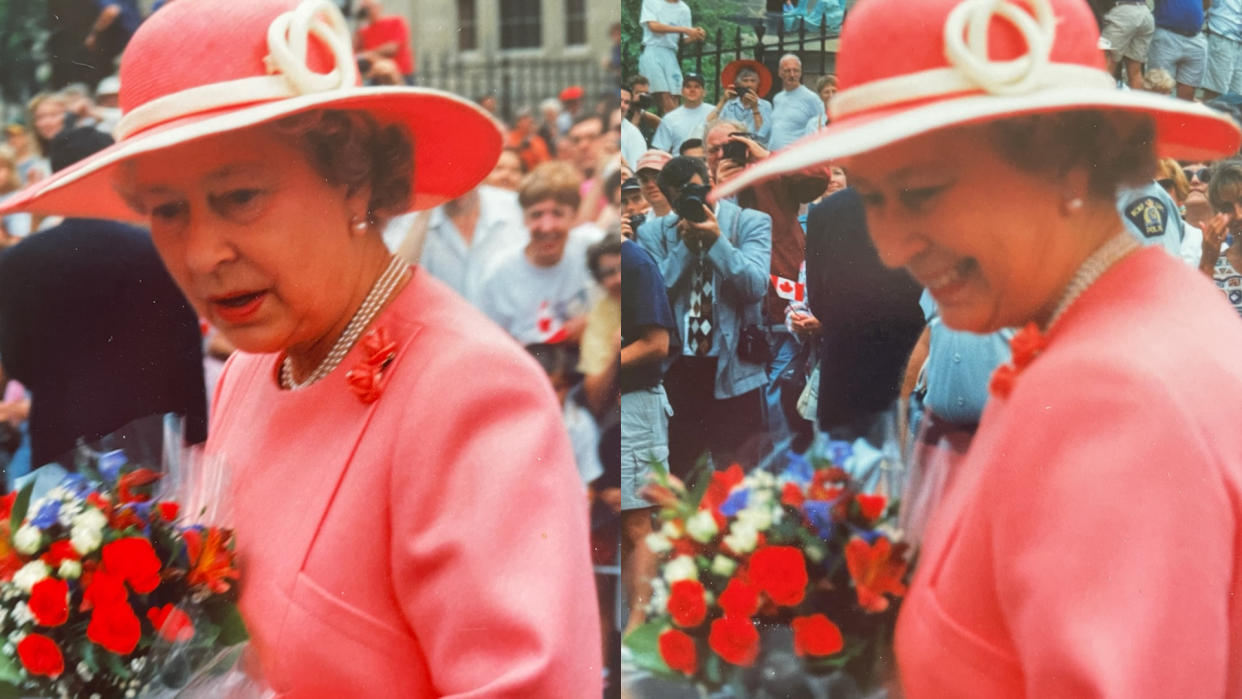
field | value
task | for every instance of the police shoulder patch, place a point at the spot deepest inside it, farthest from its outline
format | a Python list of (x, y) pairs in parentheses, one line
[(1149, 215)]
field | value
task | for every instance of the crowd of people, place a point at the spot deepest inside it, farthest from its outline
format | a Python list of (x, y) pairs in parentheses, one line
[(779, 326)]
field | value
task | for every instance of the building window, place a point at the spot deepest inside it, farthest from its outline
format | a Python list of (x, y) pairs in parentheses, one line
[(521, 24), (575, 23), (467, 39)]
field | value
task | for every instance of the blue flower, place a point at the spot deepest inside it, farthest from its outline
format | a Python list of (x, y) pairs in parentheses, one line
[(799, 469), (76, 484), (47, 515), (839, 451), (735, 503), (110, 464), (819, 512)]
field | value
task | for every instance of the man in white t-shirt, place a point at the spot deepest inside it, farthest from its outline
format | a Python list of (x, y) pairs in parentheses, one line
[(686, 121), (664, 22), (540, 292), (793, 106)]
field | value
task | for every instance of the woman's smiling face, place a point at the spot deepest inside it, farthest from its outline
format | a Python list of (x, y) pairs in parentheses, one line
[(967, 225), (252, 233)]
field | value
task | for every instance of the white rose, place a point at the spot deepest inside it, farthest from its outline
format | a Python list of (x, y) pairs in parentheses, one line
[(762, 479), (657, 543), (90, 518), (21, 614), (85, 539), (29, 574), (815, 553), (723, 565), (69, 569), (659, 597), (681, 568), (758, 517), (27, 539), (760, 496), (742, 537), (671, 531), (702, 527)]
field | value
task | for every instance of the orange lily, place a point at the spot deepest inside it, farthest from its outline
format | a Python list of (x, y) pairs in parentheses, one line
[(876, 569)]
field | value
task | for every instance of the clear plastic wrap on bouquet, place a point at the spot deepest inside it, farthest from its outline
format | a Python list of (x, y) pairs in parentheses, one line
[(121, 581)]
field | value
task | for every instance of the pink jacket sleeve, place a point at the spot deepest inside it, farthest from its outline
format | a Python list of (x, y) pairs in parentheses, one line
[(1113, 543), (489, 518)]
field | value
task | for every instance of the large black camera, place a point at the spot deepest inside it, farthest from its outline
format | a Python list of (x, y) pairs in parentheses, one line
[(737, 151), (741, 90), (691, 203), (642, 101), (637, 220)]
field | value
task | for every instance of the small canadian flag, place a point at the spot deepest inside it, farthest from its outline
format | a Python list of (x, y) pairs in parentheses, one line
[(550, 329), (788, 289)]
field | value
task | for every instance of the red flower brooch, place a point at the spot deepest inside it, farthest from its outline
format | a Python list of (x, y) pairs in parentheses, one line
[(1025, 347), (367, 378)]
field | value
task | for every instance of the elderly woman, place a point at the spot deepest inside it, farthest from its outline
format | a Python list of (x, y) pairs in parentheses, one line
[(1106, 474), (409, 519)]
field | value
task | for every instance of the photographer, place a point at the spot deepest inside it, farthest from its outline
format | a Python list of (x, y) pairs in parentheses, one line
[(634, 207), (638, 113), (744, 82), (729, 151), (714, 259)]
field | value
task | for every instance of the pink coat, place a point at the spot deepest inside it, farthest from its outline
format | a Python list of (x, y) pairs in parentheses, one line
[(1089, 545), (432, 543)]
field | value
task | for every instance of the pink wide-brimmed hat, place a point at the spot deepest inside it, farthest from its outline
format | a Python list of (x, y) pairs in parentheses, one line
[(198, 68), (949, 63)]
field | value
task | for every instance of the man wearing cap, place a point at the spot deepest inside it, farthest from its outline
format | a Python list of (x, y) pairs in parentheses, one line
[(1128, 29), (632, 204), (664, 21), (571, 107), (1222, 73), (648, 171), (744, 81), (1178, 45), (794, 106), (687, 120)]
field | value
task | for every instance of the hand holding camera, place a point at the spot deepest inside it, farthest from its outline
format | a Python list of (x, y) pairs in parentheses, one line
[(630, 224), (698, 227), (741, 150)]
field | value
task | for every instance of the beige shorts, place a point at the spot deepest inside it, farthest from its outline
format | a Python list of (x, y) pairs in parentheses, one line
[(1128, 29)]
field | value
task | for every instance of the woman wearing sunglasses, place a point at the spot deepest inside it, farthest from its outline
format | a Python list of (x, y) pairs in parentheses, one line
[(1088, 544)]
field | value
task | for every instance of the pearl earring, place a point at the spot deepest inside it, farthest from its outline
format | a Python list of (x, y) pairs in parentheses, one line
[(1072, 206), (358, 224)]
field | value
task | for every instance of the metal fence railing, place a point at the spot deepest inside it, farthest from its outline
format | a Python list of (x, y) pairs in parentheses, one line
[(515, 81)]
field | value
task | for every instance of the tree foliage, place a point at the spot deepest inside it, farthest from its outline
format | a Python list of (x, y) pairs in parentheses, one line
[(23, 29), (730, 20)]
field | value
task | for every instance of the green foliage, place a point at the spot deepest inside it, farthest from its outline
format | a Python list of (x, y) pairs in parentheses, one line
[(20, 505), (714, 16), (644, 644), (23, 26)]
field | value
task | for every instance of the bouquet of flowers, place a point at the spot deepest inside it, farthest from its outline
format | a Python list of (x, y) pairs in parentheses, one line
[(108, 591), (767, 555)]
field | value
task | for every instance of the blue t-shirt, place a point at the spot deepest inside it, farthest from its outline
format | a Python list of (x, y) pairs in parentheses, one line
[(644, 303), (735, 110), (1184, 16), (678, 125), (791, 110), (959, 367), (1225, 18)]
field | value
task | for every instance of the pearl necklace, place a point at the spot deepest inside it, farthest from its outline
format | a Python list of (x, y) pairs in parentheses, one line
[(375, 300), (1096, 264)]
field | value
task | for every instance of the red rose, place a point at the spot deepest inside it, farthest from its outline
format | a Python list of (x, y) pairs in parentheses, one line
[(100, 501), (739, 599), (60, 550), (686, 604), (780, 572), (871, 506), (133, 559), (816, 635), (792, 495), (40, 655), (722, 482), (115, 627), (103, 589), (49, 602), (127, 484), (679, 652), (735, 639), (171, 623), (168, 511), (6, 505)]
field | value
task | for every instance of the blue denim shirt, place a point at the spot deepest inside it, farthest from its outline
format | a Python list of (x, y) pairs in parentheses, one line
[(735, 110), (740, 259), (959, 367), (1224, 18)]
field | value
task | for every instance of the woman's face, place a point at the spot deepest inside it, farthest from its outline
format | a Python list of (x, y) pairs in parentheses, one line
[(931, 208), (1198, 186), (826, 93), (49, 119), (254, 236), (508, 171), (836, 180)]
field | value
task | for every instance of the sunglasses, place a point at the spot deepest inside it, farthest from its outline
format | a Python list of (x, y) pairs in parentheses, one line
[(1202, 173)]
